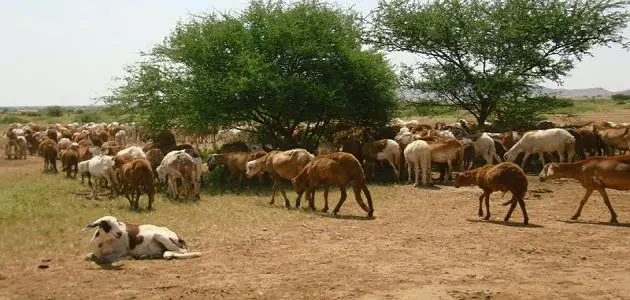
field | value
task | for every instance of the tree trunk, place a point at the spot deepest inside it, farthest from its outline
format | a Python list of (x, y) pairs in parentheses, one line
[(481, 120)]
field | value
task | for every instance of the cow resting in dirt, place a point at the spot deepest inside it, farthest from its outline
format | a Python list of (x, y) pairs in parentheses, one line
[(114, 240)]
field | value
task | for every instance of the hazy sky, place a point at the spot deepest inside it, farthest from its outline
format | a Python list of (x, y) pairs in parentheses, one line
[(67, 52)]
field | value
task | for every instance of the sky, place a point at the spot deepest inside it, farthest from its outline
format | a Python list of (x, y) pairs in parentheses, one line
[(68, 52)]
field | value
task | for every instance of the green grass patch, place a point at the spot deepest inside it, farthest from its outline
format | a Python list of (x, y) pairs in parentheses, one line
[(592, 106)]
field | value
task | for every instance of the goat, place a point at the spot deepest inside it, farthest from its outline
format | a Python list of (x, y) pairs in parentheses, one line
[(502, 177), (114, 240), (418, 155), (543, 141), (335, 168), (594, 173)]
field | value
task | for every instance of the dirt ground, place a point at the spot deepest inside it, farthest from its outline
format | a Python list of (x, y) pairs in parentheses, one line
[(422, 244)]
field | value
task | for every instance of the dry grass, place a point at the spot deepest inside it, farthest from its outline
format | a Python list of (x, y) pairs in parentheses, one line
[(422, 244), (41, 212)]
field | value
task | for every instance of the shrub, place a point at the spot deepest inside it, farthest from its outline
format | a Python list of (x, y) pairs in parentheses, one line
[(12, 119), (620, 97), (89, 116), (54, 111), (31, 113), (523, 114)]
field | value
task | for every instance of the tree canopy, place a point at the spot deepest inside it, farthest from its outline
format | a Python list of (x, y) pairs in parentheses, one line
[(271, 69), (488, 55)]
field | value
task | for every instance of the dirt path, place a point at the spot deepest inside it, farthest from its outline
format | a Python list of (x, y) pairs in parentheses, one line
[(423, 243)]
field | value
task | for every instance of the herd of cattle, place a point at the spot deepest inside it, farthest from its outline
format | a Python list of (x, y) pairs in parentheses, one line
[(101, 152)]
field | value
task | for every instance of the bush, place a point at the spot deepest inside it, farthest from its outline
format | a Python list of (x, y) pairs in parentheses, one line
[(425, 108), (90, 116), (12, 119), (30, 113), (54, 111), (523, 114), (620, 97)]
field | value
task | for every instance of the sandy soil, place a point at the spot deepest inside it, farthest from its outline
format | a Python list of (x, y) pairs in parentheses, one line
[(422, 244)]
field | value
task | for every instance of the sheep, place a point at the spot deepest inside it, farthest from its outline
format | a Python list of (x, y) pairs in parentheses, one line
[(483, 145), (131, 152), (48, 149), (325, 148), (404, 137), (447, 151), (135, 176), (69, 163), (110, 148), (235, 163), (84, 169), (102, 167), (114, 240), (510, 138), (591, 142), (121, 138), (238, 146), (52, 134), (280, 164), (503, 177), (353, 147), (63, 144), (335, 168), (543, 141), (179, 164), (11, 149), (613, 138), (384, 149), (155, 157), (594, 173), (418, 155)]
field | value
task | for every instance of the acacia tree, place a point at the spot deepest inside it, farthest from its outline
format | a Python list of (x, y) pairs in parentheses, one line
[(488, 55), (275, 66)]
